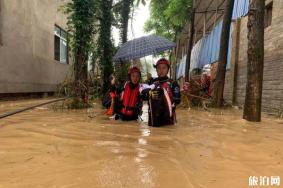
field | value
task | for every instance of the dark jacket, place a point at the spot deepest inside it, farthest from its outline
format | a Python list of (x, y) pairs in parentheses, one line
[(157, 107), (173, 85)]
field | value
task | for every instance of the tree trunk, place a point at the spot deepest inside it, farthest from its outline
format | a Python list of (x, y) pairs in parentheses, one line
[(176, 60), (125, 16), (252, 107), (81, 85), (105, 43), (1, 20), (224, 44), (190, 45)]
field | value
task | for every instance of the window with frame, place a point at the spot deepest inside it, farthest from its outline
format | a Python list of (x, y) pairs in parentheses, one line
[(268, 14), (60, 45)]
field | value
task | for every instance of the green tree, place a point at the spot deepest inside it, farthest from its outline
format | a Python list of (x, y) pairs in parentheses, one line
[(81, 29), (105, 47), (125, 16), (168, 17), (124, 11)]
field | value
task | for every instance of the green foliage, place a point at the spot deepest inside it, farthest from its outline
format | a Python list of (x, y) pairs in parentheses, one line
[(81, 25), (178, 12), (167, 17), (121, 71), (105, 47), (81, 29), (89, 28), (125, 10), (124, 22)]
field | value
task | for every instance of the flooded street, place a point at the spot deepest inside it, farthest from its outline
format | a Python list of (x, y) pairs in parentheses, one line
[(82, 148)]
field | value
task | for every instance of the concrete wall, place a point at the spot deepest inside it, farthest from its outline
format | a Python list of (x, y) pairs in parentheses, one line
[(27, 52), (272, 100)]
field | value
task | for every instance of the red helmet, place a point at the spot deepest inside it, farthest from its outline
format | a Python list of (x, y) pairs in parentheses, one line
[(162, 61), (134, 69)]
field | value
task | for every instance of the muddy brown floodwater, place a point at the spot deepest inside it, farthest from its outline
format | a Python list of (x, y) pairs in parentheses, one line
[(82, 148)]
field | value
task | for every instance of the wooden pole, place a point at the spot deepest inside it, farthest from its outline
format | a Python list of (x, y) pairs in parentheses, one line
[(224, 45), (190, 43), (176, 60), (215, 17), (236, 59), (204, 26)]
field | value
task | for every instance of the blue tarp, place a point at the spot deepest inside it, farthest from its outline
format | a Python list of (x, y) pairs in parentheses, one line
[(181, 67), (196, 54), (177, 71), (206, 50), (241, 8), (215, 45)]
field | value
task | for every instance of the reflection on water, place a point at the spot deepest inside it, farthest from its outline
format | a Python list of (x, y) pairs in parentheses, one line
[(145, 132), (141, 153), (42, 148), (144, 117), (142, 141)]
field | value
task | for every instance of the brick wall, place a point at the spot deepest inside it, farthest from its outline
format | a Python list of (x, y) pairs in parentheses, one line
[(272, 99)]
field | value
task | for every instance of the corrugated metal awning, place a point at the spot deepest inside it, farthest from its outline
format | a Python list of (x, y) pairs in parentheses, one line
[(206, 50)]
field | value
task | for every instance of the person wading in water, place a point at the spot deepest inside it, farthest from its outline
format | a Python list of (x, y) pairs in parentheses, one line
[(162, 97), (128, 102)]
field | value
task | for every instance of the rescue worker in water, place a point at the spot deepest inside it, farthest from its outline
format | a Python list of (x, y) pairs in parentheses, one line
[(162, 97), (128, 102)]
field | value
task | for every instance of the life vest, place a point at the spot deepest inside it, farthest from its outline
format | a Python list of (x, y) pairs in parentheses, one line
[(130, 99), (168, 94), (166, 86)]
